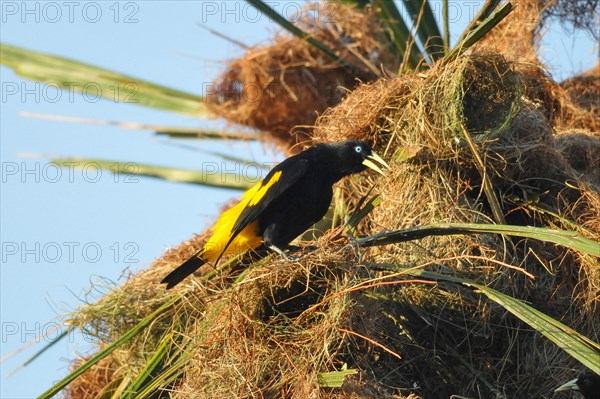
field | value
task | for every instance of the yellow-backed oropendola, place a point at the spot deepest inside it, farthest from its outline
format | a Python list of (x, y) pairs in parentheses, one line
[(293, 196)]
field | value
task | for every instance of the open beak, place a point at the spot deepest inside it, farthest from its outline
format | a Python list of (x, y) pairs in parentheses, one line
[(571, 385), (372, 165)]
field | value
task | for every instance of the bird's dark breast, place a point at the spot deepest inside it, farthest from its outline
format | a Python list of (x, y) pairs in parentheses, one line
[(301, 206)]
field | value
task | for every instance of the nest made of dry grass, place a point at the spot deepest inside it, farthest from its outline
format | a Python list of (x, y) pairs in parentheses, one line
[(284, 85), (271, 332)]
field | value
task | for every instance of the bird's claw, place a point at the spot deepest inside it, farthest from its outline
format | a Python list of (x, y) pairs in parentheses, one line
[(354, 245), (290, 258), (284, 256)]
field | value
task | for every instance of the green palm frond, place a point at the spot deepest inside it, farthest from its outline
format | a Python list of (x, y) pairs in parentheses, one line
[(94, 81), (575, 344), (211, 177), (570, 239)]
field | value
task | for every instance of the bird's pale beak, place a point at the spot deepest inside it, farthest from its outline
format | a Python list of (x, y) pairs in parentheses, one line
[(372, 165), (571, 385)]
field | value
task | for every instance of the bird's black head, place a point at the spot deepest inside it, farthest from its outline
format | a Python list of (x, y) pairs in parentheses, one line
[(348, 157), (588, 384)]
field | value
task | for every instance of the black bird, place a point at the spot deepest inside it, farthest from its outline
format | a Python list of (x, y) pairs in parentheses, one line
[(588, 384), (293, 196)]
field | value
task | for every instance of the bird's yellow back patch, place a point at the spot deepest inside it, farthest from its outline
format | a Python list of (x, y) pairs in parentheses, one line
[(260, 193), (245, 241), (221, 231)]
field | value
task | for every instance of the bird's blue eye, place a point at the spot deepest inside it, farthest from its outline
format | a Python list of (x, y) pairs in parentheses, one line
[(358, 149)]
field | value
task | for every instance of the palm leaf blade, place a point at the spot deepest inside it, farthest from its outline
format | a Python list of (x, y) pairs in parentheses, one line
[(293, 29), (575, 344), (401, 35), (98, 82), (211, 178), (107, 351), (566, 238), (473, 37), (428, 30)]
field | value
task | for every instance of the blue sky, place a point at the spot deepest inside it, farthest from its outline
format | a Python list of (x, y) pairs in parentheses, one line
[(61, 231)]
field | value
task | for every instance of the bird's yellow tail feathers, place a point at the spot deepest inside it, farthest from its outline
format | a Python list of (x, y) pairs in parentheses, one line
[(246, 240), (215, 248)]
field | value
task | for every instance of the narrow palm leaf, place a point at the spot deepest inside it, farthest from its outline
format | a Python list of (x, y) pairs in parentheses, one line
[(50, 344), (293, 29), (203, 134), (359, 3), (428, 30), (446, 22), (484, 13), (94, 81), (224, 36), (171, 131), (150, 368), (473, 37), (211, 177), (108, 350), (361, 213), (568, 239), (575, 344), (401, 36), (165, 378)]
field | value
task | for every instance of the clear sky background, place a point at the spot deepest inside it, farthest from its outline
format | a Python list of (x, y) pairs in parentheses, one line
[(57, 223)]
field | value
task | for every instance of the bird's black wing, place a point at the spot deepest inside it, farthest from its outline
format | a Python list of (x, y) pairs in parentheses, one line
[(279, 180)]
